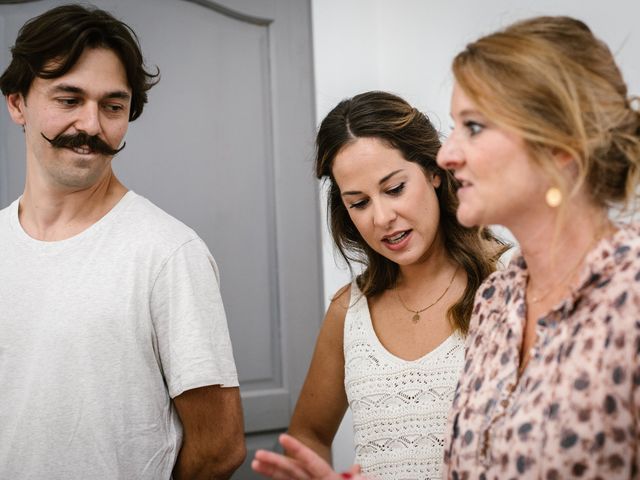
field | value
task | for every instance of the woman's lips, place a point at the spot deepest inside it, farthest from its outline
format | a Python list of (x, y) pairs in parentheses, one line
[(397, 240)]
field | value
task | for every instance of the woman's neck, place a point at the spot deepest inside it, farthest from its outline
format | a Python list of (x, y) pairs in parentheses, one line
[(555, 246), (435, 267)]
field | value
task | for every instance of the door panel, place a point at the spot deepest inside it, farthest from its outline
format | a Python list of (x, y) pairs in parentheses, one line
[(225, 145)]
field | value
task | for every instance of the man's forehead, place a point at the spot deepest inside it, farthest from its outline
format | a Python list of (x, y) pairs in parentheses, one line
[(95, 69), (56, 62), (64, 87)]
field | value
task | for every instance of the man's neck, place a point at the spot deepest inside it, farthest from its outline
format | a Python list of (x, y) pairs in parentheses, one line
[(50, 215)]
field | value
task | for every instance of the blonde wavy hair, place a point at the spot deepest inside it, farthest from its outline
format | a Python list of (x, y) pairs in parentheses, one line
[(550, 80)]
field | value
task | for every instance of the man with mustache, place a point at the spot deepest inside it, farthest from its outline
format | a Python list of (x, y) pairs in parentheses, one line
[(115, 358)]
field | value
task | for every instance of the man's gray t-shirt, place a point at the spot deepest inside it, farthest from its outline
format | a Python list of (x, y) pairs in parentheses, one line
[(97, 333)]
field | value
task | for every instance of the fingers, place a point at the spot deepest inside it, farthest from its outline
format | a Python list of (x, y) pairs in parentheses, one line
[(307, 458), (278, 467), (355, 469), (353, 473), (304, 463)]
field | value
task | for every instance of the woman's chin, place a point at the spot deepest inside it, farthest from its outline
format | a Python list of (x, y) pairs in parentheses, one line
[(467, 219)]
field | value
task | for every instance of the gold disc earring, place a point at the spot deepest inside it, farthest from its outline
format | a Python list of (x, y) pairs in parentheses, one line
[(553, 197)]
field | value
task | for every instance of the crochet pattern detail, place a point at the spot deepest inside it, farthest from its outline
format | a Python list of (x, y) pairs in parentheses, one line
[(399, 407)]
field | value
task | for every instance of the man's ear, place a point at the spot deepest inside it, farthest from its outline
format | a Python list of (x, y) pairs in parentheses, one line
[(15, 105)]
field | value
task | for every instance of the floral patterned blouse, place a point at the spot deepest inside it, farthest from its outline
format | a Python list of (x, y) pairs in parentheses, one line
[(575, 412)]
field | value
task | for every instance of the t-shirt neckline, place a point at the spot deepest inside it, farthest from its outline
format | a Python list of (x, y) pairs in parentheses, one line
[(59, 245)]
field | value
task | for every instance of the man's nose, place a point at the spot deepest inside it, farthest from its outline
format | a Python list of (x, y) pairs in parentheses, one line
[(88, 120)]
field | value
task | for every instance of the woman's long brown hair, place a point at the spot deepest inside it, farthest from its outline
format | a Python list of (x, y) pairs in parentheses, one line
[(389, 118)]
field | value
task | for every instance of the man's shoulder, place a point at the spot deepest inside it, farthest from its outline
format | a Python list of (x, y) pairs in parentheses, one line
[(152, 225), (6, 213)]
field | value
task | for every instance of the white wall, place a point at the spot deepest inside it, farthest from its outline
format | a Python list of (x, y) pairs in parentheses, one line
[(406, 46)]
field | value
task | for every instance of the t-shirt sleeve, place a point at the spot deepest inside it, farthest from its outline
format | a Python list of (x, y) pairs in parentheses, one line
[(190, 323)]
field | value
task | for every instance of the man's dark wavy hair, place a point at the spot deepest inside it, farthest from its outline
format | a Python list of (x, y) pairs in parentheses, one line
[(49, 45)]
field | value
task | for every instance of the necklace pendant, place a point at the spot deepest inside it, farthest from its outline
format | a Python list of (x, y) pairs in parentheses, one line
[(416, 317)]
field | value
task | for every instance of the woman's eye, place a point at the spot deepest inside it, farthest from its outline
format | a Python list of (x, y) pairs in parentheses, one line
[(396, 190), (474, 128), (359, 204)]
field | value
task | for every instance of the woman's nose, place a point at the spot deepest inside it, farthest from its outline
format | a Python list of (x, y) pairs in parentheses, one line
[(450, 156), (383, 214)]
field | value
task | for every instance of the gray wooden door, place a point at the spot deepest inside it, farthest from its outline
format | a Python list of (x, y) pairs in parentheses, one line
[(225, 145)]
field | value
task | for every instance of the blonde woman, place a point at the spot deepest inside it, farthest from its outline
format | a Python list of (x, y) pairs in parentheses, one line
[(545, 140)]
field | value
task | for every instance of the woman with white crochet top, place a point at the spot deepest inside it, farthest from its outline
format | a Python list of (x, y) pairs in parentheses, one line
[(392, 343)]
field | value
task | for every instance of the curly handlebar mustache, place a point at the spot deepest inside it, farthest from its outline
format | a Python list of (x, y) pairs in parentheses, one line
[(81, 139)]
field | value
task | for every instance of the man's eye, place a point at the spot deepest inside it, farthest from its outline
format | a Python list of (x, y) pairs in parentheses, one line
[(114, 107), (67, 101)]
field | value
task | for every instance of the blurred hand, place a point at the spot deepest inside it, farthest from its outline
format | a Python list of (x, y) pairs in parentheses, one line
[(303, 464)]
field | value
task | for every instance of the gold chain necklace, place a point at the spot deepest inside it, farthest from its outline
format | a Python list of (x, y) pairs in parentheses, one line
[(416, 313)]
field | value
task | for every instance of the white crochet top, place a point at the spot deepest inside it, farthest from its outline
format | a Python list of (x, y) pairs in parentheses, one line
[(399, 407)]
